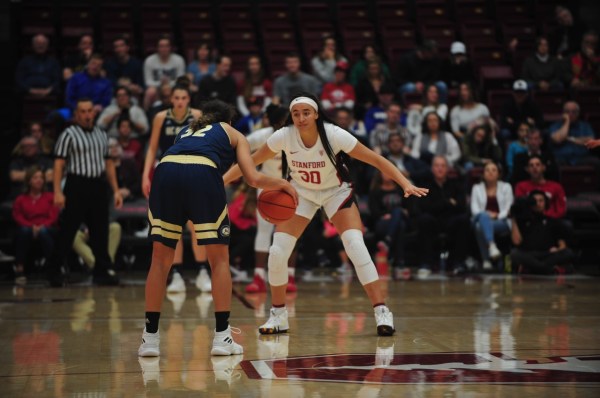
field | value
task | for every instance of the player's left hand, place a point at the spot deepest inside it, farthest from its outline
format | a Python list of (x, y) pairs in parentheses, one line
[(411, 190), (118, 200)]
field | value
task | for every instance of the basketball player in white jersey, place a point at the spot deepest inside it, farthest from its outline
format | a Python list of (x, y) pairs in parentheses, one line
[(314, 151), (277, 116)]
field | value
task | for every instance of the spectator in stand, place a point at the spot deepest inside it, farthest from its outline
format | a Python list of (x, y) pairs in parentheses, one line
[(565, 40), (491, 200), (38, 74), (378, 138), (480, 147), (458, 68), (519, 108), (444, 209), (412, 168), (129, 176), (338, 93), (518, 146), (542, 70), (218, 85), (534, 147), (90, 84), (46, 143), (132, 148), (570, 135), (255, 85), (164, 66), (201, 66), (417, 112), (123, 107), (557, 200), (586, 63), (293, 81), (433, 141), (242, 214), (36, 216), (467, 111), (77, 61), (419, 68), (324, 63), (344, 118), (163, 102), (369, 88), (123, 69), (390, 217), (540, 240), (359, 69), (253, 120), (376, 113), (28, 155)]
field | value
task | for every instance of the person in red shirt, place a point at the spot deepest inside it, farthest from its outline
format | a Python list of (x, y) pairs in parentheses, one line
[(35, 215), (338, 93), (554, 191)]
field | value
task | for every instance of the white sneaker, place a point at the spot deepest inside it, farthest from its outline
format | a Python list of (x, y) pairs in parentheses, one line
[(277, 323), (487, 265), (150, 346), (273, 346), (6, 258), (203, 282), (238, 275), (142, 233), (177, 284), (385, 321), (494, 252), (225, 368), (223, 343), (423, 273), (150, 370)]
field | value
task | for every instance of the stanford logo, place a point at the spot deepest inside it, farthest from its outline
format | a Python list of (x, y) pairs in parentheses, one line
[(321, 152), (438, 368)]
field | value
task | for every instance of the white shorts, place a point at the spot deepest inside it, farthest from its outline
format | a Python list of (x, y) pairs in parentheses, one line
[(331, 200)]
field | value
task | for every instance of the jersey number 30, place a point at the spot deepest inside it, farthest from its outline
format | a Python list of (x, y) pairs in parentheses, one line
[(314, 177)]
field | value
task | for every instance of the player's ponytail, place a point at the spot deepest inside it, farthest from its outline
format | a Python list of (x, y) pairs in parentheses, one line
[(213, 111)]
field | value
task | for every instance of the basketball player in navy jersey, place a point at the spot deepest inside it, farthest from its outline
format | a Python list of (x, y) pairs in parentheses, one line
[(165, 126), (314, 150), (188, 185)]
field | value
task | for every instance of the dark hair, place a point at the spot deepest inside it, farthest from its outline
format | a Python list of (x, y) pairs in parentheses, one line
[(124, 89), (276, 114), (471, 90), (199, 46), (498, 167), (29, 172), (396, 135), (339, 161), (535, 192), (250, 80), (213, 111), (292, 54), (184, 87), (220, 57), (124, 117), (83, 99), (535, 156), (121, 37), (425, 127)]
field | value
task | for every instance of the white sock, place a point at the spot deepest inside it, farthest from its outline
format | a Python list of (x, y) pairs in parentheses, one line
[(279, 310)]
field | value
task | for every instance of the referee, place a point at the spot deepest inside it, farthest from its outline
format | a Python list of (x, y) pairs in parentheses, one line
[(82, 152)]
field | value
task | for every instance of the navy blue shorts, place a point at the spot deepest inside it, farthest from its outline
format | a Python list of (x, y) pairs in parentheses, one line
[(182, 192)]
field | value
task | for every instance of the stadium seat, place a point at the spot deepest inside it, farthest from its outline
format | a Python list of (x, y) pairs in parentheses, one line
[(578, 179), (471, 10), (495, 77), (37, 18), (551, 104)]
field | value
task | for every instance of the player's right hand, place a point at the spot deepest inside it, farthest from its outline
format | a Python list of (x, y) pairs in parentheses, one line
[(288, 188), (146, 187)]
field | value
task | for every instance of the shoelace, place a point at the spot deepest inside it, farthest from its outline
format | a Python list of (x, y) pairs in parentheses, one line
[(235, 330)]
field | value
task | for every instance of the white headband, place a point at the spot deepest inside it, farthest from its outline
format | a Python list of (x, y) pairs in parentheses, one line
[(304, 100)]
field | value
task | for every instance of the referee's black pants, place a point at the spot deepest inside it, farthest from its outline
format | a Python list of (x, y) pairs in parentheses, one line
[(86, 201)]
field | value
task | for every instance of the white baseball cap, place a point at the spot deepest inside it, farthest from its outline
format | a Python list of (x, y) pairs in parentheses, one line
[(458, 48), (520, 85)]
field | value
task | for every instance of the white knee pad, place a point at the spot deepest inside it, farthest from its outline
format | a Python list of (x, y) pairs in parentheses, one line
[(280, 252), (358, 253)]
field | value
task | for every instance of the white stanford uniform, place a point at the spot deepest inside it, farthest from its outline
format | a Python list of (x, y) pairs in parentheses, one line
[(313, 175)]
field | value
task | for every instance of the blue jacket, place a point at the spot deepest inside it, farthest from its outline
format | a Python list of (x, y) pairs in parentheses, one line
[(80, 85), (35, 71)]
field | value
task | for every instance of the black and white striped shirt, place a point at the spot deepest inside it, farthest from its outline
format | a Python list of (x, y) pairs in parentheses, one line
[(84, 151)]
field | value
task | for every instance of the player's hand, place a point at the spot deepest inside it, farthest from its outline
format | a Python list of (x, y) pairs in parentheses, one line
[(59, 200), (288, 188), (146, 186), (118, 200), (411, 190)]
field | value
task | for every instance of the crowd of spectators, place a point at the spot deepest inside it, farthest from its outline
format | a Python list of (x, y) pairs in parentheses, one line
[(446, 140)]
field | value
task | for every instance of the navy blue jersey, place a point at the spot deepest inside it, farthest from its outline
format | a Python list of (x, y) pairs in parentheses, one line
[(211, 142), (171, 127)]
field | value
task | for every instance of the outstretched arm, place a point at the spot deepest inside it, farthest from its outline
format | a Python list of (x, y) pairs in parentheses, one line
[(263, 154), (366, 155)]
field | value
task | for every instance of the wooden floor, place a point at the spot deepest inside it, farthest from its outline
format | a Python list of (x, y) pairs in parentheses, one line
[(496, 336)]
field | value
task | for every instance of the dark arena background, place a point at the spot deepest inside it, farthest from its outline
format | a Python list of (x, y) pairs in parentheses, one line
[(491, 104)]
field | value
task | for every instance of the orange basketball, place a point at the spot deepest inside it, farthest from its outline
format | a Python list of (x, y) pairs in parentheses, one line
[(276, 206)]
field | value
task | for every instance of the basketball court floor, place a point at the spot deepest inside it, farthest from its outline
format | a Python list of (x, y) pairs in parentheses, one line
[(487, 336)]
